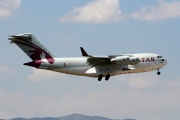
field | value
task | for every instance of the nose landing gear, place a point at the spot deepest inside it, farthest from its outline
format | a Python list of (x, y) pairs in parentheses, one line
[(158, 73)]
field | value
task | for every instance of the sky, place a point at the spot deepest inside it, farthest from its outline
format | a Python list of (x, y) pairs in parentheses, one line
[(101, 27)]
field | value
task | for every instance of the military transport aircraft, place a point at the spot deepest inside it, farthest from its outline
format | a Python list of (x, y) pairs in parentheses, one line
[(88, 65)]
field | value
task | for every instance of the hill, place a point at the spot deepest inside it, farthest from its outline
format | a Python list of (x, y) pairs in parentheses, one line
[(70, 117)]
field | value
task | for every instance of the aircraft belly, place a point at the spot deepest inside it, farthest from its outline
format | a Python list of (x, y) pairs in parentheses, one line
[(74, 70), (108, 69)]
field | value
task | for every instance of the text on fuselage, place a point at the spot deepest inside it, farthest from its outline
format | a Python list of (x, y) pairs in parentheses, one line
[(152, 59)]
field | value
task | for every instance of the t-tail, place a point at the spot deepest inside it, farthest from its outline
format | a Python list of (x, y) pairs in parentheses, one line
[(33, 48)]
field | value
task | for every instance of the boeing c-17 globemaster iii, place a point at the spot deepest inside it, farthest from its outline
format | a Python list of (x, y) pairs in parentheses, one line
[(88, 65)]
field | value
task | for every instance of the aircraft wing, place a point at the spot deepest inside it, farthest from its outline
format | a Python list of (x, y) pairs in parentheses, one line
[(109, 60), (96, 61)]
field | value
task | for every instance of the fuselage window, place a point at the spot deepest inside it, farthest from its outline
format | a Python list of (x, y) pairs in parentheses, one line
[(65, 64)]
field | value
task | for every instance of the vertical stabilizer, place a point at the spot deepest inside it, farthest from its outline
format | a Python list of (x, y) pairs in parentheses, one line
[(32, 47)]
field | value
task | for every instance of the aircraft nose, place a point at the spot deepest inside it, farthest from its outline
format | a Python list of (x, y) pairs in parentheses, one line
[(165, 62)]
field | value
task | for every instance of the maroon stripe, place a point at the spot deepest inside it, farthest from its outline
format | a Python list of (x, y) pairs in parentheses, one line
[(37, 52)]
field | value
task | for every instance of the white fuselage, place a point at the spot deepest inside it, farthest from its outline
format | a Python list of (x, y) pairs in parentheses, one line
[(79, 66), (92, 66)]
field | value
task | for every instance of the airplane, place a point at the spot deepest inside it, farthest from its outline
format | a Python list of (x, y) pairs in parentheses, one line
[(87, 65)]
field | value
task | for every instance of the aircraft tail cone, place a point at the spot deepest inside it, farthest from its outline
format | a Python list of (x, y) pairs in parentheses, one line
[(35, 64)]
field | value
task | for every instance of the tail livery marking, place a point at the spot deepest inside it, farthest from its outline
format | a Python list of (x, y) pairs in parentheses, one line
[(33, 48), (37, 52)]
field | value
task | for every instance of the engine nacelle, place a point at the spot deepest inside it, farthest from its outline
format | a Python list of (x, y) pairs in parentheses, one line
[(120, 59), (125, 60)]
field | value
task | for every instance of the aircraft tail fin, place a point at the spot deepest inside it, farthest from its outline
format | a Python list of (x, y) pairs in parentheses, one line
[(84, 53), (32, 47)]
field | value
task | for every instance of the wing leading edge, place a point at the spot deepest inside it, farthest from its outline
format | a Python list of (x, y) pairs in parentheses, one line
[(125, 59)]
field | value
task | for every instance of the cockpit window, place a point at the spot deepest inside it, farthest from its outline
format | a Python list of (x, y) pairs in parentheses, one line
[(159, 56)]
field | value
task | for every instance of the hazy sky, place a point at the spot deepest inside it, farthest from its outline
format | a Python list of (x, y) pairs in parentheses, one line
[(102, 27)]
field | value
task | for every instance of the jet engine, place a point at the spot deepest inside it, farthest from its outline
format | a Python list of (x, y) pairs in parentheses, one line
[(125, 60)]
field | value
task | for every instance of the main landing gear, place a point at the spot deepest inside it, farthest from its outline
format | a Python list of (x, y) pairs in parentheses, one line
[(101, 76), (158, 73), (107, 77)]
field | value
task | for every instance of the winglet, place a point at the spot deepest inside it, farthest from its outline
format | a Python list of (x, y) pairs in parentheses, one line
[(84, 52)]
